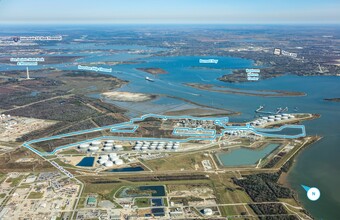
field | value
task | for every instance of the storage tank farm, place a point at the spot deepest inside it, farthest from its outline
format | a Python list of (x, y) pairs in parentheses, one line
[(156, 146)]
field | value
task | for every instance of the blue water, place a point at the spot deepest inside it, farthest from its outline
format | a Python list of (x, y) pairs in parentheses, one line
[(158, 211), (127, 169), (243, 156), (157, 202), (86, 162)]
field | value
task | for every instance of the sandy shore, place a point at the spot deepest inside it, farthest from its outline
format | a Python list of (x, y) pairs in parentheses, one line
[(263, 93), (128, 96)]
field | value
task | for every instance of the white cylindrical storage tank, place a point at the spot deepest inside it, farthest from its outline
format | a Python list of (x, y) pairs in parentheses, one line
[(108, 145), (270, 120), (284, 118), (108, 164), (291, 116), (118, 147), (93, 149), (137, 147), (114, 158), (102, 161), (175, 147), (144, 148), (109, 141), (119, 162), (95, 143), (277, 119), (271, 117), (168, 147), (277, 116), (160, 147), (265, 118), (207, 212), (152, 147), (105, 157), (84, 146), (107, 149), (112, 155)]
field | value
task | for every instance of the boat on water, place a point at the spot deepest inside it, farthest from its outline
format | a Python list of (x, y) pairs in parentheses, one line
[(149, 79)]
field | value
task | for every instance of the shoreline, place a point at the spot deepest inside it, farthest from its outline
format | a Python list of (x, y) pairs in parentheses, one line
[(233, 113), (277, 93), (285, 182)]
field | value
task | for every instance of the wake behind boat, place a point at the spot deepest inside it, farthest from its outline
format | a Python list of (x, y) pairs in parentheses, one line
[(149, 79)]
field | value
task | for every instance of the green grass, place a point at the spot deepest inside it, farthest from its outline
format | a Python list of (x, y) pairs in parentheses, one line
[(142, 202), (2, 195), (35, 195), (177, 162), (15, 181)]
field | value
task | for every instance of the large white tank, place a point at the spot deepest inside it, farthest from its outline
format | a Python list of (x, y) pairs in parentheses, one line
[(137, 147), (105, 157), (144, 148), (107, 149), (271, 116), (102, 161), (160, 147), (114, 158), (95, 143), (152, 147), (285, 118), (175, 147), (108, 164), (118, 147), (108, 145), (119, 162), (109, 141), (112, 155), (207, 211), (84, 146), (270, 120), (168, 147), (93, 149)]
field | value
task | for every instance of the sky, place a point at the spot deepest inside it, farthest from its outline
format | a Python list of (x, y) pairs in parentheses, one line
[(170, 11)]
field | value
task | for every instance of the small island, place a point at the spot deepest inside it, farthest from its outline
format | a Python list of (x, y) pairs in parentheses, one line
[(332, 99), (153, 70)]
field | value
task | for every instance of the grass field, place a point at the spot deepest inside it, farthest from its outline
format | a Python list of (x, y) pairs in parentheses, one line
[(142, 202), (177, 162), (35, 195)]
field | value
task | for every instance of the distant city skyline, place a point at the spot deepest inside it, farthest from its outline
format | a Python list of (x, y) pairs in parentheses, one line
[(171, 11)]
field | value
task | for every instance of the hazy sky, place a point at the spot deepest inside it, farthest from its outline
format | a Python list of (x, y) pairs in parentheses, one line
[(170, 11)]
